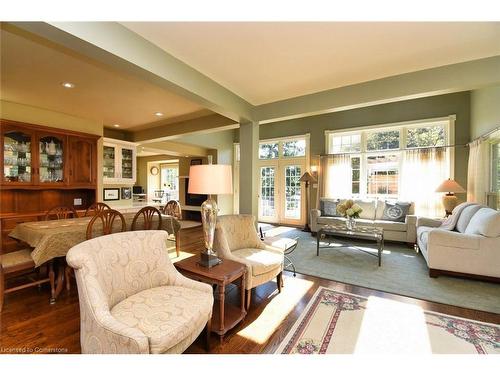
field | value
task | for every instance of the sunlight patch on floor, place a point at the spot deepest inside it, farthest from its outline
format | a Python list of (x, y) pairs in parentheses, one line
[(391, 327), (277, 310), (278, 231)]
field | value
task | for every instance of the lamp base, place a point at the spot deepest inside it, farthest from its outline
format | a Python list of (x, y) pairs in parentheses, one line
[(450, 201), (208, 260)]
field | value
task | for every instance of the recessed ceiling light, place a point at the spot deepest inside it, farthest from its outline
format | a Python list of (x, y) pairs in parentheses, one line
[(116, 125), (68, 85), (159, 114)]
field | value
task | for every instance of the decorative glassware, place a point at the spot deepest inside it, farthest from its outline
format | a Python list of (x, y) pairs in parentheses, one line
[(350, 223)]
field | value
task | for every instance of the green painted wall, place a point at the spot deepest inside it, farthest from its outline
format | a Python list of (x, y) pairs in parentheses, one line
[(485, 110), (436, 106)]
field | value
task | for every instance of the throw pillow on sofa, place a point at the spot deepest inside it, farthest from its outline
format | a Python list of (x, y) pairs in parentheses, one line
[(328, 207), (396, 211), (486, 222)]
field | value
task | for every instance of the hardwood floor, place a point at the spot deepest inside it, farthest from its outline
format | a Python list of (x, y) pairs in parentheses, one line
[(29, 324)]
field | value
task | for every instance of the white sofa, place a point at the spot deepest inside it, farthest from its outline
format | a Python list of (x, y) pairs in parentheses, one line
[(372, 214), (471, 248)]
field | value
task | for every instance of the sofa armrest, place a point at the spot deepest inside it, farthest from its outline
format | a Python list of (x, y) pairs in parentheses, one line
[(314, 215), (428, 222), (411, 228), (446, 238)]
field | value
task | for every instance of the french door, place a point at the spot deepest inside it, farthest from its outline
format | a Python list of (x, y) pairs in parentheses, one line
[(281, 194)]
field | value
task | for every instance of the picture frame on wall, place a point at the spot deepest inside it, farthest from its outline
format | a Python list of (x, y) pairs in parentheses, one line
[(111, 194), (196, 161), (126, 192)]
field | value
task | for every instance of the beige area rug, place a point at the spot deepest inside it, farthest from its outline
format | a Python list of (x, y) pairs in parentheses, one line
[(343, 323)]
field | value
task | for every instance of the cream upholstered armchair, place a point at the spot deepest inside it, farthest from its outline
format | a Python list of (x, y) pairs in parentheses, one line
[(132, 299), (236, 239)]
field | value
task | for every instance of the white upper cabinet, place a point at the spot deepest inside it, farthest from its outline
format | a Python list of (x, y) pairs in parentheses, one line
[(119, 162)]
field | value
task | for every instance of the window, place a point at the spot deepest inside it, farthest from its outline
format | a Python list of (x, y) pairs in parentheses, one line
[(383, 175), (169, 177), (294, 148), (378, 155), (268, 150), (383, 140), (346, 143), (355, 174), (426, 136), (495, 171)]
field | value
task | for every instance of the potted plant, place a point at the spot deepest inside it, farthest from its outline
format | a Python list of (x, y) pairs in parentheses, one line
[(350, 211)]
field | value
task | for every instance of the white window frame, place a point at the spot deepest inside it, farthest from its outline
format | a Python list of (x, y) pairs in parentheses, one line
[(447, 122)]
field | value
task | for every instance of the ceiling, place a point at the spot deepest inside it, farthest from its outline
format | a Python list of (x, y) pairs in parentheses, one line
[(32, 73), (267, 62)]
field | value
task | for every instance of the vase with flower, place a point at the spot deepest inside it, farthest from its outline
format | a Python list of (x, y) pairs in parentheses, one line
[(350, 211)]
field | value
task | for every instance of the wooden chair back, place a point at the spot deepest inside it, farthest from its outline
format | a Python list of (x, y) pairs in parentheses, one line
[(147, 213), (96, 208), (173, 208), (60, 212), (107, 219)]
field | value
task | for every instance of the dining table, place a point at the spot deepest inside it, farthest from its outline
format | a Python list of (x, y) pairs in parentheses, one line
[(51, 240)]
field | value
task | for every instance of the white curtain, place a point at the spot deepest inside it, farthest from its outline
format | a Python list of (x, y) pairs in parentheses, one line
[(335, 177), (422, 171), (478, 171)]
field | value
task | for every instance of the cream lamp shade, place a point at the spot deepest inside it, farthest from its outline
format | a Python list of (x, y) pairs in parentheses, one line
[(450, 201), (450, 186), (210, 179)]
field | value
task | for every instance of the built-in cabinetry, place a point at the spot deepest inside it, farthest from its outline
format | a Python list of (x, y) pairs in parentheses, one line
[(34, 156), (119, 162), (42, 167)]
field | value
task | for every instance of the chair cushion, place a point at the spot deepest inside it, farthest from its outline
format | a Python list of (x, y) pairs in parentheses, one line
[(465, 216), (166, 314), (395, 211), (395, 226), (486, 222), (17, 258), (260, 260), (368, 207), (328, 207)]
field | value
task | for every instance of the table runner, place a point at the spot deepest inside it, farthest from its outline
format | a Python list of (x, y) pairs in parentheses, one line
[(53, 238)]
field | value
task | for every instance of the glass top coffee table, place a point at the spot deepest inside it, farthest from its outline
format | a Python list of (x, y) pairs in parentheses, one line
[(360, 232)]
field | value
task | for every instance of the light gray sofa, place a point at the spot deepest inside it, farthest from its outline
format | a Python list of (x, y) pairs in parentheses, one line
[(372, 214), (471, 248)]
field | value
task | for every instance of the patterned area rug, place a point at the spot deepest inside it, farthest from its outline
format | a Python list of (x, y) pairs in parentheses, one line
[(343, 323)]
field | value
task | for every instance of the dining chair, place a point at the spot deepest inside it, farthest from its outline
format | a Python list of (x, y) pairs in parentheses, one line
[(107, 219), (173, 208), (60, 212), (96, 208), (147, 214), (19, 262)]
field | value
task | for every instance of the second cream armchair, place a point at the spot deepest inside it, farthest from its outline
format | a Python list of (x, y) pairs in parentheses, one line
[(236, 239)]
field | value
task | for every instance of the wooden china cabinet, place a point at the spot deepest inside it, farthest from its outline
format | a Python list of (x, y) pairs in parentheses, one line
[(40, 168)]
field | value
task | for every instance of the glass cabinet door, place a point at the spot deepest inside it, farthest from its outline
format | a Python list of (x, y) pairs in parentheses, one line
[(108, 164), (51, 159), (127, 163), (17, 157)]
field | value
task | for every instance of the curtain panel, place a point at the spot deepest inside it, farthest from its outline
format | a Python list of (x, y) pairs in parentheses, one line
[(422, 172), (334, 177), (478, 171)]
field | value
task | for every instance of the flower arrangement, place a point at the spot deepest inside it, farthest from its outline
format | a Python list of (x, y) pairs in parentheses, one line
[(349, 209)]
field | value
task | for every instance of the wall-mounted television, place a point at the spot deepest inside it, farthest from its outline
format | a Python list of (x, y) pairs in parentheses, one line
[(193, 199)]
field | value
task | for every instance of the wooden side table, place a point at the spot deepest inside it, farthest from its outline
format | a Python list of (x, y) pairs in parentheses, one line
[(224, 316)]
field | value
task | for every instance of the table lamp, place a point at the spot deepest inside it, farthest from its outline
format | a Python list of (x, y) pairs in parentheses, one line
[(210, 179), (307, 177), (450, 200)]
